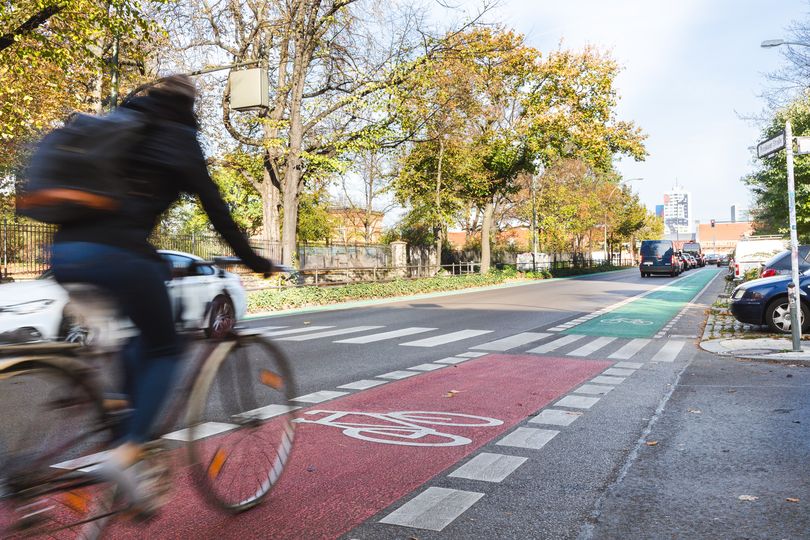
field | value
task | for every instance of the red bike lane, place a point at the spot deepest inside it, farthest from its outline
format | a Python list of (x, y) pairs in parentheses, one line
[(334, 481)]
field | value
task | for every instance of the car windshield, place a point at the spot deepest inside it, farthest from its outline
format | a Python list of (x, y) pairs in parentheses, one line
[(655, 249), (692, 247)]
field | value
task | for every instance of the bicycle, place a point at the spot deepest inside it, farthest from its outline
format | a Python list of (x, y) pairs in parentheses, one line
[(230, 410)]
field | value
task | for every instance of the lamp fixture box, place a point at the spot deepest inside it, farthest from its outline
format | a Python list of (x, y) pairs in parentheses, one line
[(249, 90)]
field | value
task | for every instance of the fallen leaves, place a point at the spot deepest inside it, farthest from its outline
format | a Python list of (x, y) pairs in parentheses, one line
[(651, 443), (694, 411), (792, 499), (451, 393)]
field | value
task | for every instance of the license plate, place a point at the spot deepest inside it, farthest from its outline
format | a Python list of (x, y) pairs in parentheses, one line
[(648, 264)]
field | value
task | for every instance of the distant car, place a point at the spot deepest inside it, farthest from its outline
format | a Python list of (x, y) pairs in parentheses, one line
[(765, 301), (659, 257), (712, 258), (752, 252), (779, 265), (211, 299), (693, 249), (691, 262), (723, 260)]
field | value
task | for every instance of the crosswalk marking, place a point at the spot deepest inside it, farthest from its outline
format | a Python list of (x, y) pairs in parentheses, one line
[(445, 338), (629, 365), (371, 338), (295, 331), (487, 467), (618, 372), (330, 333), (592, 347), (557, 343), (452, 360), (433, 509), (669, 351), (630, 349), (471, 354), (511, 342)]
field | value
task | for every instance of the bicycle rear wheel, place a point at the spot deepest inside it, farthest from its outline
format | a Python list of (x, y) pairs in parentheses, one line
[(241, 430), (52, 428)]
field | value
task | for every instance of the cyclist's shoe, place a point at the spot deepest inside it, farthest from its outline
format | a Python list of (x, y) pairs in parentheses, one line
[(139, 486)]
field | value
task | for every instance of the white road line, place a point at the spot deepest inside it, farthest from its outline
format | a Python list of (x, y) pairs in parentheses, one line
[(577, 402), (618, 372), (669, 351), (362, 385), (427, 367), (330, 333), (472, 354), (445, 338), (206, 429), (630, 349), (371, 338), (294, 331), (452, 360), (512, 341), (555, 417), (433, 509), (396, 375), (263, 413), (592, 347), (87, 463), (601, 379), (319, 397), (629, 365), (556, 344), (488, 467), (532, 438), (593, 389)]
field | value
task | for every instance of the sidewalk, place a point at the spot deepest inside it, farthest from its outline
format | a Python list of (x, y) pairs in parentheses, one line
[(725, 457), (759, 348)]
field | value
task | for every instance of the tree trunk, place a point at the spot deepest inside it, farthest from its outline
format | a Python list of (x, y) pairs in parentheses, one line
[(486, 227), (271, 205)]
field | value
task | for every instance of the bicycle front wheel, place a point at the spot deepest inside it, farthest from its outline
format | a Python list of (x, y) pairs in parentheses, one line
[(240, 422)]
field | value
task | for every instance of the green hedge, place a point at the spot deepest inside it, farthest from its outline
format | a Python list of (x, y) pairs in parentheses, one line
[(278, 299)]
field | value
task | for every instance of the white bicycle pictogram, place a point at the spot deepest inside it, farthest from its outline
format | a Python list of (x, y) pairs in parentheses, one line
[(406, 428), (623, 320)]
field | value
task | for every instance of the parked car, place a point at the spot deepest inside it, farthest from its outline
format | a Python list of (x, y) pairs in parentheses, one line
[(693, 249), (779, 265), (723, 260), (752, 252), (765, 301), (712, 258), (691, 262), (211, 299), (659, 257)]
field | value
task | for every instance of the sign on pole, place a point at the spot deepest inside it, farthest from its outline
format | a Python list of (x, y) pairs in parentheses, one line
[(802, 145), (766, 148)]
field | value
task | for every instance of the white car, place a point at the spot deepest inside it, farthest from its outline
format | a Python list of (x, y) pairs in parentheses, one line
[(210, 298)]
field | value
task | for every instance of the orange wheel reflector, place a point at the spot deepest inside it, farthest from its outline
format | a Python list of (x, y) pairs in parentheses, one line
[(215, 467), (76, 501), (268, 378)]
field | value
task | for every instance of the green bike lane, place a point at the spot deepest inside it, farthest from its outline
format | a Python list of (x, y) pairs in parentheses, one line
[(645, 316)]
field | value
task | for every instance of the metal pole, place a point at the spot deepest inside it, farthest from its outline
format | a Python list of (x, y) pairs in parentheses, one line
[(795, 305), (534, 224)]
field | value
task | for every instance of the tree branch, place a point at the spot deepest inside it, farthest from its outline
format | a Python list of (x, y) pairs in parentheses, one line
[(33, 22)]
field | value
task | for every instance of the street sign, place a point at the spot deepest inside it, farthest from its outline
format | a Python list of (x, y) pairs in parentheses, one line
[(802, 145), (766, 148)]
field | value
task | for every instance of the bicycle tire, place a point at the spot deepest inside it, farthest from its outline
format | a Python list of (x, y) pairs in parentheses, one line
[(60, 418), (243, 390)]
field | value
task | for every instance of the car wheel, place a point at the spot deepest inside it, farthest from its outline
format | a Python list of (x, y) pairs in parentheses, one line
[(222, 318), (777, 316), (71, 332)]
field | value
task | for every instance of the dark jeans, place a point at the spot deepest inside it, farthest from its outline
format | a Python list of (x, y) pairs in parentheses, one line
[(137, 284)]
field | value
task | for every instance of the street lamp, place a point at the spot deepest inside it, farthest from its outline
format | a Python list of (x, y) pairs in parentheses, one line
[(540, 169), (618, 184), (793, 288)]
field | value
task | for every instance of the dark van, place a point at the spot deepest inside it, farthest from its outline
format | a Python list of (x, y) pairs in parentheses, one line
[(657, 258)]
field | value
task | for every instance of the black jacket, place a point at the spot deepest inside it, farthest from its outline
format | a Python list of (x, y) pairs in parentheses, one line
[(168, 162)]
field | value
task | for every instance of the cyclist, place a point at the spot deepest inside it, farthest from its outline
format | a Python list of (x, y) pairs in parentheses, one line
[(113, 253)]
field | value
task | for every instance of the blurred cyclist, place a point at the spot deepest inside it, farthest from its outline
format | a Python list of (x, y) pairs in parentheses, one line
[(113, 253)]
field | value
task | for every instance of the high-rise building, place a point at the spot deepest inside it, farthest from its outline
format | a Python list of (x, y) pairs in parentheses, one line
[(659, 210), (678, 211), (739, 213)]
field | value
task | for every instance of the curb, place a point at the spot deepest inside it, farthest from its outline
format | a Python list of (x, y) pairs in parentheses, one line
[(395, 299), (714, 346)]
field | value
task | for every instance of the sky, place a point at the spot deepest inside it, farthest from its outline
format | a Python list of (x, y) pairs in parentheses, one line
[(693, 75)]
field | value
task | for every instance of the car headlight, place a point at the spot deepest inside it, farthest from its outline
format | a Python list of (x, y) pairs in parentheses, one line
[(738, 293), (26, 308), (753, 295)]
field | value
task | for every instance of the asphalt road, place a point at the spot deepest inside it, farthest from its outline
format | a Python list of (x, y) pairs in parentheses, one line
[(483, 414)]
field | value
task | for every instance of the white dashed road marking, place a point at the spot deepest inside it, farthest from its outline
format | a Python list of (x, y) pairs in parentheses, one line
[(557, 343), (472, 354), (593, 389), (330, 333), (602, 379), (433, 509), (629, 350), (263, 413), (445, 338), (452, 360), (592, 347), (669, 351), (628, 365), (319, 397), (427, 367), (295, 331), (371, 338), (362, 385), (512, 341), (396, 375), (577, 402), (532, 438), (555, 417), (488, 467), (206, 429), (618, 372)]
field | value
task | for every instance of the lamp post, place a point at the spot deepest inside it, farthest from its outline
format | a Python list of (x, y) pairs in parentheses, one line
[(540, 170), (794, 294), (617, 186)]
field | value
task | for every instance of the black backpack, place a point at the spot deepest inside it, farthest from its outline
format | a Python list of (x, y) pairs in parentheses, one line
[(78, 171)]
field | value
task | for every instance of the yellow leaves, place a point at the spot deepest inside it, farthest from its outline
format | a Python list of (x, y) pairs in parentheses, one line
[(651, 443)]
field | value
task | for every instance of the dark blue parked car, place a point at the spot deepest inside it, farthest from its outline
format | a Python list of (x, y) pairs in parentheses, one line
[(764, 301)]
